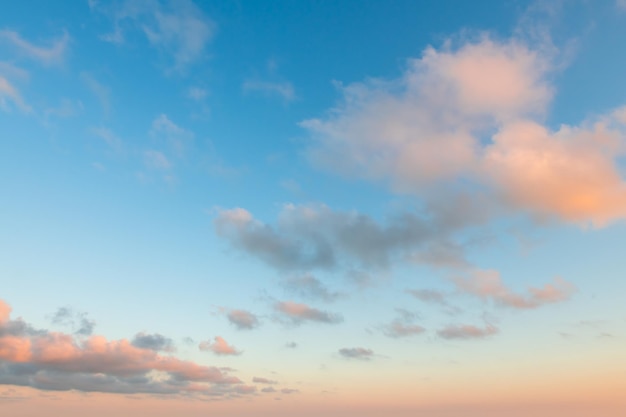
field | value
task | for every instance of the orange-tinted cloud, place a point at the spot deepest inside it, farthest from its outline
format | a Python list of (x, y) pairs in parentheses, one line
[(219, 346)]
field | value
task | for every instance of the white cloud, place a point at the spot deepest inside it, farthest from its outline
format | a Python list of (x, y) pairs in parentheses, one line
[(157, 160), (47, 55), (9, 93), (282, 90)]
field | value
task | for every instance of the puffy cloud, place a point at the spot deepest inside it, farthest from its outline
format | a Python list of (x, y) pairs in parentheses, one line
[(179, 29), (57, 361), (242, 319), (298, 313), (219, 346), (357, 353), (488, 284), (481, 102), (307, 286), (156, 342), (47, 55), (316, 237), (467, 332)]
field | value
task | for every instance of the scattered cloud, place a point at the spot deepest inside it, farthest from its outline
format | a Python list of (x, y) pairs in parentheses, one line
[(283, 90), (309, 287), (487, 284), (403, 326), (102, 92), (156, 159), (298, 313), (57, 361), (9, 92), (467, 331), (180, 29), (52, 54), (621, 4), (197, 93), (242, 319), (176, 137), (111, 139), (219, 346), (156, 342), (288, 391), (357, 353)]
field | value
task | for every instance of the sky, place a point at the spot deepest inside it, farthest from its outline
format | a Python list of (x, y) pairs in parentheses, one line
[(295, 208)]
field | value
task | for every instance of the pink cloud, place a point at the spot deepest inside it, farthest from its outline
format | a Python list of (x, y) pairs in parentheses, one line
[(298, 313), (487, 284), (219, 346), (59, 361)]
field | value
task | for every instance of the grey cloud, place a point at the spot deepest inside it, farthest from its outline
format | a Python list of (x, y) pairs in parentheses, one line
[(357, 353), (289, 391), (156, 342), (77, 321), (467, 331), (260, 380), (428, 296), (242, 319), (403, 326), (309, 287), (316, 237)]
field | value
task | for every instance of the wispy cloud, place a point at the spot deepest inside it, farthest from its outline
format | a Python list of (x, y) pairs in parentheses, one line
[(403, 326), (78, 321), (177, 138), (9, 92), (52, 54), (309, 287), (111, 139), (466, 331), (219, 346), (488, 284), (180, 29), (297, 313), (283, 90), (102, 92), (259, 380), (156, 159)]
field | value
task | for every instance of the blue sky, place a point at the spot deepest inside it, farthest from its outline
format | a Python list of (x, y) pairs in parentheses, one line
[(331, 196)]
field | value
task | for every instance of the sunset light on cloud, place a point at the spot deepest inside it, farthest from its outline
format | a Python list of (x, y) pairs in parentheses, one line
[(358, 208)]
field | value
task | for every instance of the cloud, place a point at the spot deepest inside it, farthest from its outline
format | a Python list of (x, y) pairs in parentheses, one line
[(156, 159), (621, 4), (309, 287), (488, 284), (403, 326), (242, 319), (259, 380), (111, 139), (197, 93), (78, 321), (428, 296), (219, 346), (291, 345), (357, 353), (282, 90), (298, 313), (156, 342), (288, 391), (176, 137), (47, 55), (180, 29), (102, 92), (9, 92), (483, 102), (310, 237), (57, 361), (467, 332)]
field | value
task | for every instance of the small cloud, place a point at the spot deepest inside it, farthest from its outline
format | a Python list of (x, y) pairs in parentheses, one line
[(282, 90), (9, 92), (77, 321), (357, 353), (242, 319), (102, 92), (298, 313), (197, 93), (219, 346), (268, 389), (111, 139), (288, 391), (173, 135), (403, 326), (259, 380), (291, 345), (155, 342), (467, 332)]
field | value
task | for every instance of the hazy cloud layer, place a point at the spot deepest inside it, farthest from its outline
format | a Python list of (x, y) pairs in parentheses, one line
[(57, 361)]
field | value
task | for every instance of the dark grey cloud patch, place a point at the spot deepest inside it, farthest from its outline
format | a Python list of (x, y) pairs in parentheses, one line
[(156, 342), (357, 353)]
